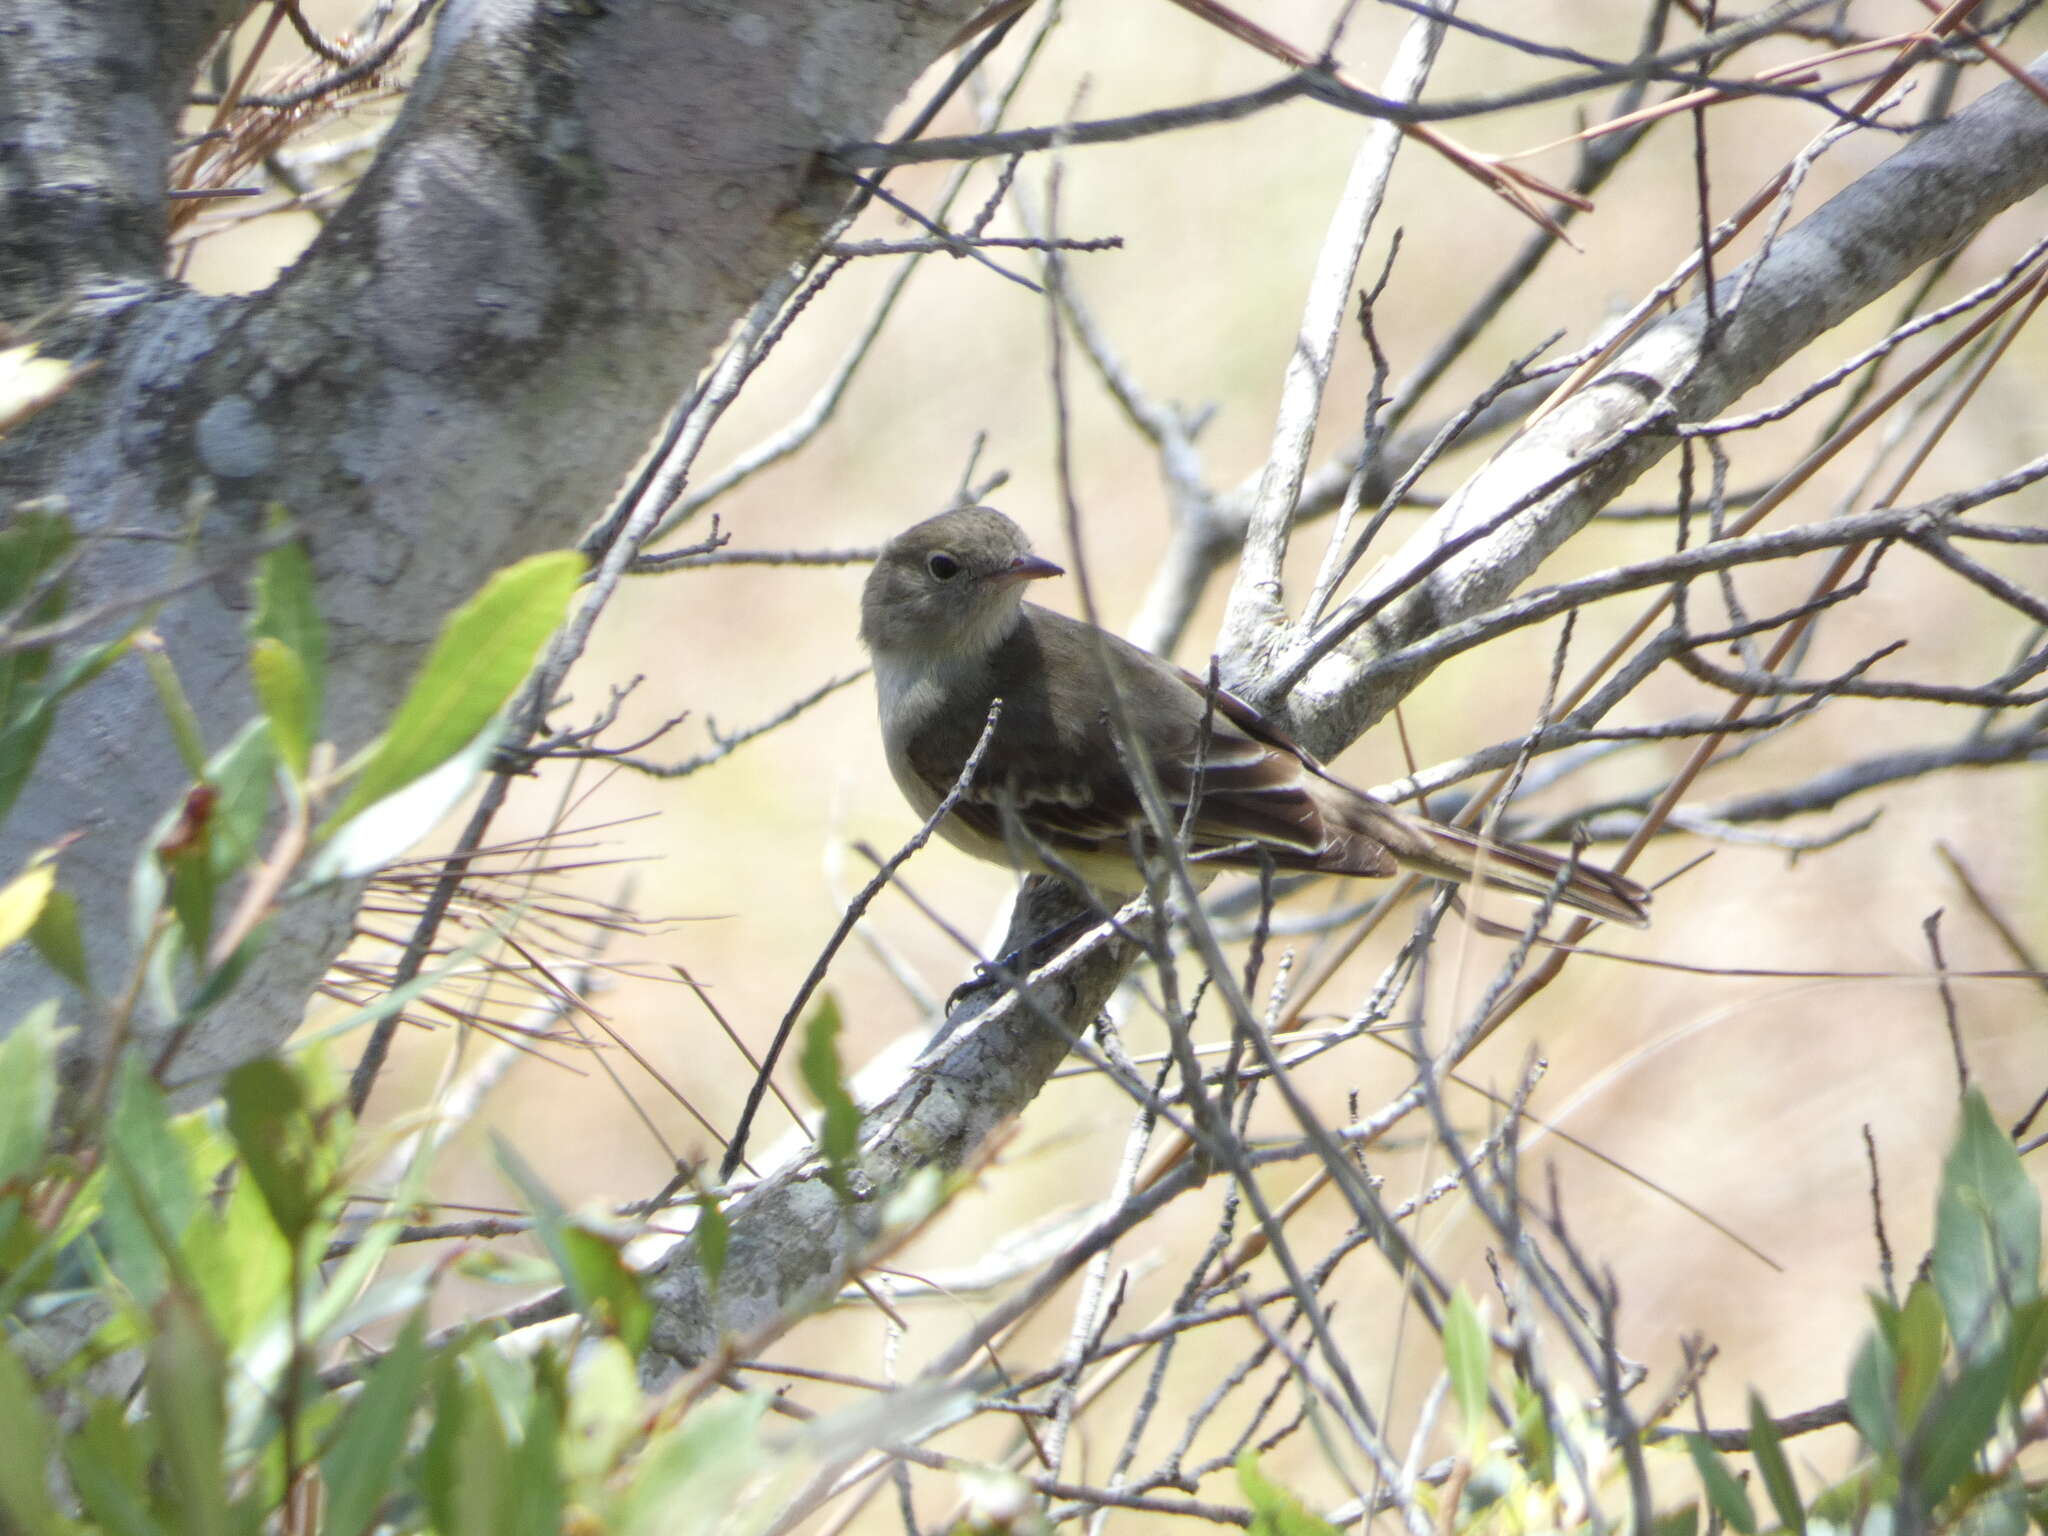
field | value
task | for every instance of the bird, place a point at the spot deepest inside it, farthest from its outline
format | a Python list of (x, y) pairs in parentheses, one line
[(944, 618)]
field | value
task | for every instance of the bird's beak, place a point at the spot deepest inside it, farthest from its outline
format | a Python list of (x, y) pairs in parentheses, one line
[(1028, 568)]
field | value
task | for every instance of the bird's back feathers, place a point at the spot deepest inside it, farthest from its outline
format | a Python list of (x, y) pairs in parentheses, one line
[(1064, 775)]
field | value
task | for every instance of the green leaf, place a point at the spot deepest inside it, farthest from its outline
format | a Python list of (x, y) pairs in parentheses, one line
[(2001, 1511), (28, 1090), (1727, 1495), (149, 1205), (34, 547), (187, 866), (26, 1431), (606, 1412), (839, 1129), (185, 1377), (466, 1471), (1275, 1511), (1873, 1399), (537, 1496), (1468, 1354), (483, 654), (22, 899), (109, 1459), (608, 1290), (222, 979), (1987, 1232), (239, 1263), (27, 712), (1956, 1426), (281, 1142), (361, 1460), (60, 942), (207, 839), (186, 732), (2029, 1347), (287, 699), (714, 1239), (369, 840), (243, 774), (1768, 1449), (688, 1479), (288, 613), (1534, 1442), (593, 1266), (1920, 1345)]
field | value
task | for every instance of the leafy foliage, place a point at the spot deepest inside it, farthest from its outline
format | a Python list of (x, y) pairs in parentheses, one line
[(839, 1134), (204, 1237), (217, 1248)]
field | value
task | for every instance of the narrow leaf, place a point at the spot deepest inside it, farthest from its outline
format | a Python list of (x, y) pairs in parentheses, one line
[(1467, 1356), (358, 1465), (1728, 1497), (537, 1493), (33, 549), (1534, 1442), (379, 833), (1919, 1342), (149, 1204), (22, 900), (288, 612), (108, 1459), (1873, 1401), (185, 1377), (1987, 1232), (1275, 1511), (28, 1090), (839, 1129), (27, 1433), (183, 719), (690, 1479), (484, 652), (714, 1239), (280, 1141), (2029, 1348), (286, 695), (27, 713), (592, 1265), (1957, 1426), (60, 941), (1768, 1449), (242, 774), (472, 1477)]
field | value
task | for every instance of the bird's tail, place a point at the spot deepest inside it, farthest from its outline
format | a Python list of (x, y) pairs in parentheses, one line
[(1451, 853)]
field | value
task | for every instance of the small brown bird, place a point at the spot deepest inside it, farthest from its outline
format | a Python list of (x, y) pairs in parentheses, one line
[(944, 616)]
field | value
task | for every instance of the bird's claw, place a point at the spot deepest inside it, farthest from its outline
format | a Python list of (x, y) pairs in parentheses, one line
[(989, 973)]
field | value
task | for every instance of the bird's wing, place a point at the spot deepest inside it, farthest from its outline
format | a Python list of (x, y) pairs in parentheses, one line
[(1255, 783)]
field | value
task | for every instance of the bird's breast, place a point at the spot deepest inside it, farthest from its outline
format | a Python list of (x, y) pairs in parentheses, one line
[(913, 693)]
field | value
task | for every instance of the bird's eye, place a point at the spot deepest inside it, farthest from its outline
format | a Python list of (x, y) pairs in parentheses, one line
[(944, 567)]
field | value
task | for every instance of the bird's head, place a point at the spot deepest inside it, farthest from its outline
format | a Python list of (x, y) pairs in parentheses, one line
[(950, 586)]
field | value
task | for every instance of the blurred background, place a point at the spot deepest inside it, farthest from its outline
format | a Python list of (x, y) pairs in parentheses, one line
[(1731, 1191)]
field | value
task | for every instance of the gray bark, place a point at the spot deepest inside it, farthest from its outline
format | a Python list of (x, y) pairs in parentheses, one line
[(575, 204), (89, 98)]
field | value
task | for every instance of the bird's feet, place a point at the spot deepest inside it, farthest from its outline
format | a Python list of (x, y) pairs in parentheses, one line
[(1003, 973)]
